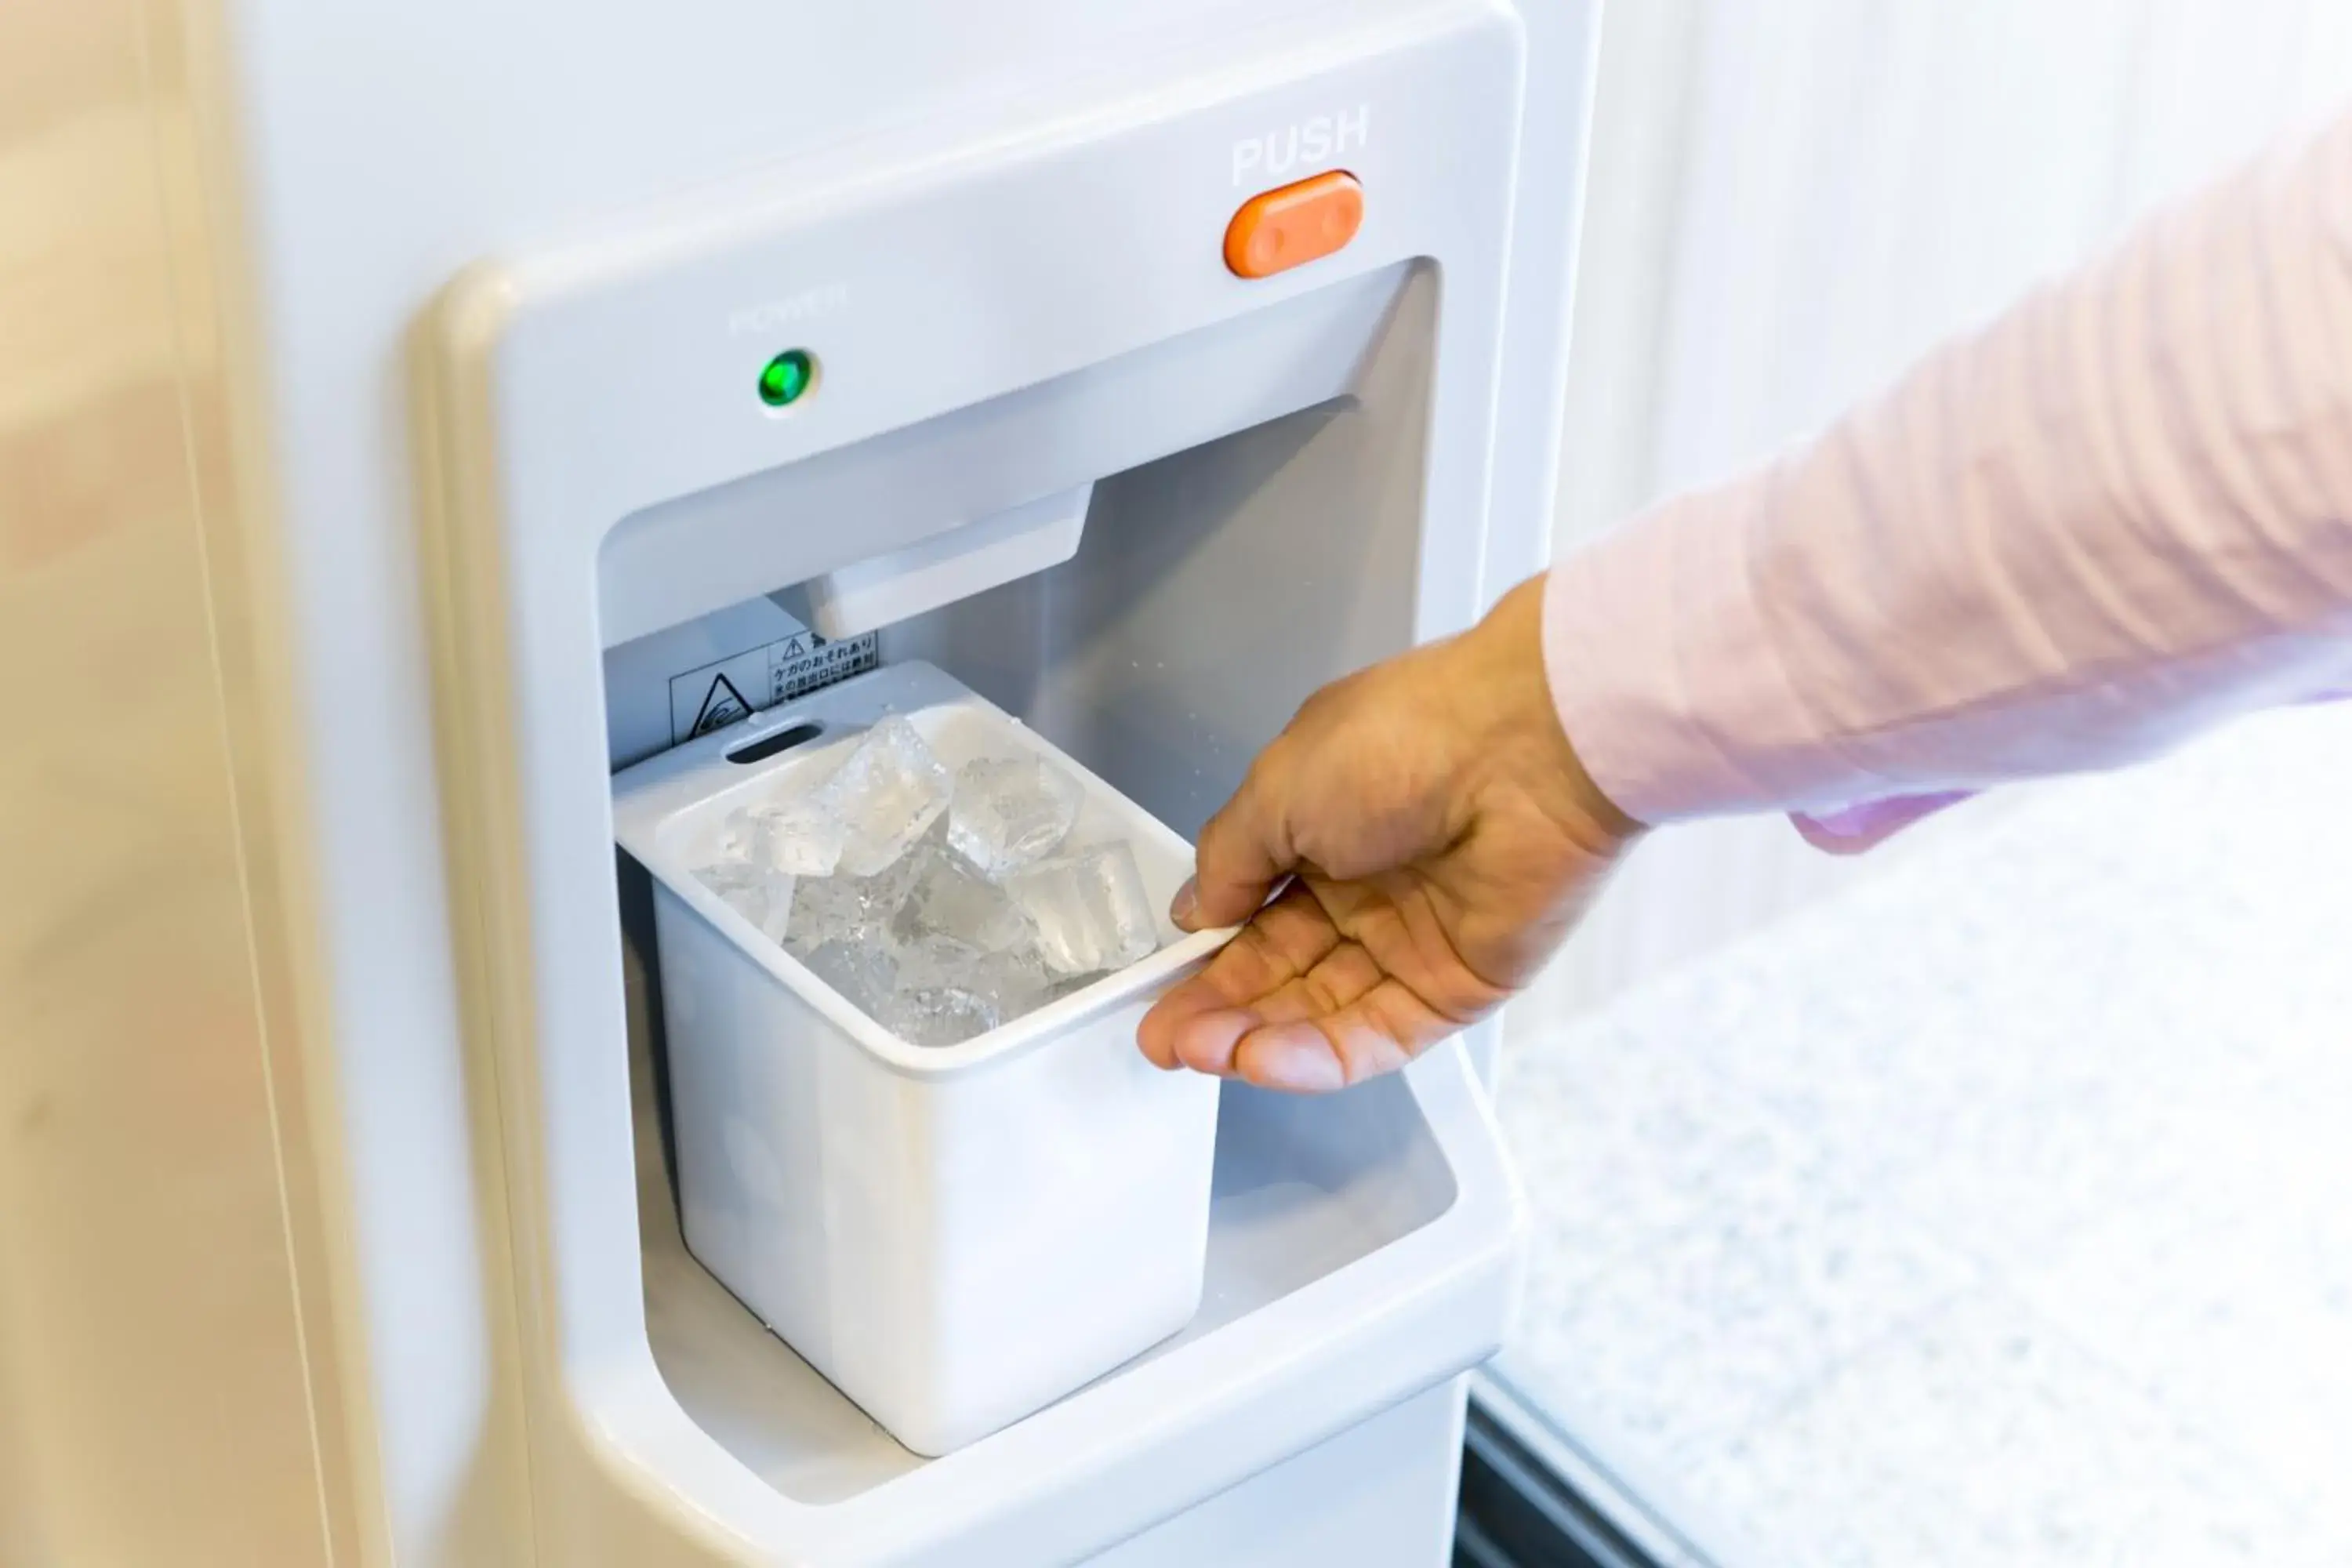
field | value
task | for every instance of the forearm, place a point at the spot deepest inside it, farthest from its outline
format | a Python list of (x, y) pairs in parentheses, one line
[(2117, 515)]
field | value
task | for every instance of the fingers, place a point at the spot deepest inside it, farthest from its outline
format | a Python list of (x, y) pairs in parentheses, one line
[(1378, 1032), (1291, 1004), (1199, 1021), (1243, 852)]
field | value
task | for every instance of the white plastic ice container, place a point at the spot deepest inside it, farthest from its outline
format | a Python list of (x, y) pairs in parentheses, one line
[(954, 1235)]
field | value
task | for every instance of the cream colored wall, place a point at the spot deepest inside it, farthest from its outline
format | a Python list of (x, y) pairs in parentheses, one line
[(160, 1248)]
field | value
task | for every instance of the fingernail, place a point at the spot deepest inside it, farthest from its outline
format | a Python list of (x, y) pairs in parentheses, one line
[(1187, 904), (1303, 1063)]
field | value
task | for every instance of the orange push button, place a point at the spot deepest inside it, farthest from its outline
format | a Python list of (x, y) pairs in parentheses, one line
[(1280, 228)]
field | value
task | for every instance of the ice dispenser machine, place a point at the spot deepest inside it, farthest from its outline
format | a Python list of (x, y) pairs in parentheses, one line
[(1102, 443)]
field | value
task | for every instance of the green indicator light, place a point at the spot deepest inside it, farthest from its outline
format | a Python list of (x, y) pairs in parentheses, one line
[(788, 375)]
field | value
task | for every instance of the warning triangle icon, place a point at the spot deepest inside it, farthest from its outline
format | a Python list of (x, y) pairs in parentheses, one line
[(721, 706)]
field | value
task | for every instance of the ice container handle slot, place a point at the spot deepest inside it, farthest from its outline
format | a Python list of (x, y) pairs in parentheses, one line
[(775, 740)]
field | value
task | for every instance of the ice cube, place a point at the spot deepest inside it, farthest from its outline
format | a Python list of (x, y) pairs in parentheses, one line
[(842, 907), (886, 796), (735, 836), (764, 897), (863, 973), (935, 1000), (801, 832), (1012, 981), (1010, 811), (794, 829), (951, 898), (1088, 910), (949, 991), (1016, 980), (936, 960), (945, 1015)]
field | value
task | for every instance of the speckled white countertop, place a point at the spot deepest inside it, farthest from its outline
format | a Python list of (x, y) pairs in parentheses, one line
[(1998, 1212)]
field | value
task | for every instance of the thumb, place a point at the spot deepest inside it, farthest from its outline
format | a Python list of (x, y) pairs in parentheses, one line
[(1244, 849)]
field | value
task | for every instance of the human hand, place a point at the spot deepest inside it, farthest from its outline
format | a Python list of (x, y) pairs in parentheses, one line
[(1443, 839)]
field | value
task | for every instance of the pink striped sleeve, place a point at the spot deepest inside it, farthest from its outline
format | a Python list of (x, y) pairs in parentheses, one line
[(2119, 514)]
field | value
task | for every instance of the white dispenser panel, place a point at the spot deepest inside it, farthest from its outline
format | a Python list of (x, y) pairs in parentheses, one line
[(1286, 476)]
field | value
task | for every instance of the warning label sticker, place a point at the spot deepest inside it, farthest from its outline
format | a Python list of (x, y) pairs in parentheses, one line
[(721, 706), (718, 695), (804, 661)]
